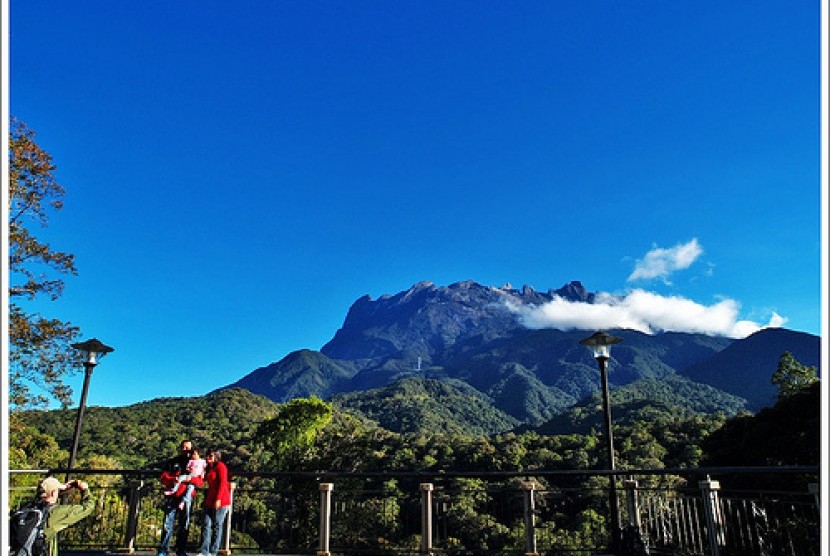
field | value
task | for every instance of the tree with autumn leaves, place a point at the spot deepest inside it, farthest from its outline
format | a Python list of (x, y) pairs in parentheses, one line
[(39, 347)]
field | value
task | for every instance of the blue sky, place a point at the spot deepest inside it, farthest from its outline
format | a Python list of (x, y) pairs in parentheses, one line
[(237, 177)]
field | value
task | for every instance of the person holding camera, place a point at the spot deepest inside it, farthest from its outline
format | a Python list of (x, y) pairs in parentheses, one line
[(62, 516)]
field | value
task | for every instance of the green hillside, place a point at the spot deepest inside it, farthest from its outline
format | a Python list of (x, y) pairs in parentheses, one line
[(144, 434), (645, 400), (417, 405), (300, 374)]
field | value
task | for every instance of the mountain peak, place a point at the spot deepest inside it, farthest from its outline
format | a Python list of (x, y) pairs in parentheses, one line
[(423, 285), (575, 291), (423, 319), (426, 319)]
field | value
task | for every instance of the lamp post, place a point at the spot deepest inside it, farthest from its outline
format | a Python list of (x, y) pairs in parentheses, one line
[(600, 345), (93, 350)]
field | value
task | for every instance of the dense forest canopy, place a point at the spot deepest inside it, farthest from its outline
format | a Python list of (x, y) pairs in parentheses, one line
[(338, 436), (308, 434)]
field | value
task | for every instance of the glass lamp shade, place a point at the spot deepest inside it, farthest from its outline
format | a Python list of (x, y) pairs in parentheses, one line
[(93, 350), (600, 344)]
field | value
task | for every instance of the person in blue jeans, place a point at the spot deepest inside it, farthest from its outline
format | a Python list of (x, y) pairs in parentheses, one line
[(172, 509), (217, 503)]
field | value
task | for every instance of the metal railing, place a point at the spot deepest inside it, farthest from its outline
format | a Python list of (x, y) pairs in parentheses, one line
[(679, 511)]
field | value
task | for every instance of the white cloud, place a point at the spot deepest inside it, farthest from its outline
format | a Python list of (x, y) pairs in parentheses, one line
[(661, 262), (644, 311)]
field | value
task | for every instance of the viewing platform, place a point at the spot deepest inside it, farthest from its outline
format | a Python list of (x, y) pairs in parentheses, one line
[(702, 511)]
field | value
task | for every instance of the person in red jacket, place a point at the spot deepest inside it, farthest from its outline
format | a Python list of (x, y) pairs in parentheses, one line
[(217, 503)]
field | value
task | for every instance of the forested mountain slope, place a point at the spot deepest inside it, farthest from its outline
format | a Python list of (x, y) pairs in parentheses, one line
[(473, 334)]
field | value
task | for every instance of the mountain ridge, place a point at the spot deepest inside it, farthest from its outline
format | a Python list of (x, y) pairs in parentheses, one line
[(468, 333)]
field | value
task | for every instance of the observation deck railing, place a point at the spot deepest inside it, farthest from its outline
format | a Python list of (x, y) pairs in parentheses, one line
[(702, 511)]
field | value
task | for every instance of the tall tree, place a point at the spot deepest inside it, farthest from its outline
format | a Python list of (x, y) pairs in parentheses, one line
[(39, 353), (296, 425), (791, 377)]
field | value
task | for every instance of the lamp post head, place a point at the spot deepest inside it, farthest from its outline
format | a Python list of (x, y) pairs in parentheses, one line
[(93, 350), (600, 344)]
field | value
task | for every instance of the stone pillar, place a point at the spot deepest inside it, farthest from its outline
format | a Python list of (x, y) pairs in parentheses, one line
[(529, 488), (632, 503), (325, 518), (134, 506), (714, 515), (426, 518), (226, 535)]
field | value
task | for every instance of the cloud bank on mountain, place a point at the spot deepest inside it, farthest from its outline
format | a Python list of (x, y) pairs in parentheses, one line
[(645, 312)]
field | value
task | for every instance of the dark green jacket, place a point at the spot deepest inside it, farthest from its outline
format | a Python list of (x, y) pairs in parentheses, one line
[(62, 516)]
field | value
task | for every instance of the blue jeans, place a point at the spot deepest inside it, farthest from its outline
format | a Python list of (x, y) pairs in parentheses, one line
[(213, 528), (171, 511)]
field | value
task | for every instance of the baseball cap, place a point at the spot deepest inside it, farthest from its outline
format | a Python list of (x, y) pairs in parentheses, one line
[(49, 485)]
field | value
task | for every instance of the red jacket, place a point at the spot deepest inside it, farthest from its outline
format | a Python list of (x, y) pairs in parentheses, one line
[(168, 479), (219, 487)]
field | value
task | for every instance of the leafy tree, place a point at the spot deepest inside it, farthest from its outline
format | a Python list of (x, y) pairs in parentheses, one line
[(295, 425), (39, 354), (788, 433), (791, 377), (473, 528), (31, 449)]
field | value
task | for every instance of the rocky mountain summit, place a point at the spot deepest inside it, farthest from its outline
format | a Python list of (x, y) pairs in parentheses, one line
[(467, 335), (426, 320)]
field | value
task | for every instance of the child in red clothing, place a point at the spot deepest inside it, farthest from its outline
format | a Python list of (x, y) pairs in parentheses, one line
[(187, 482)]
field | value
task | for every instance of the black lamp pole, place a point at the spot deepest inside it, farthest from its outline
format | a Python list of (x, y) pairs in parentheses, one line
[(93, 350), (599, 343)]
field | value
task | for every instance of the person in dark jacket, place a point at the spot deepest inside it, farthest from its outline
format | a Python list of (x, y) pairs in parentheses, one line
[(217, 503), (172, 469)]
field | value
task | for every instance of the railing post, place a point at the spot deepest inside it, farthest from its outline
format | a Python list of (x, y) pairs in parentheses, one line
[(530, 518), (815, 490), (426, 518), (226, 536), (714, 515), (632, 503), (134, 505), (325, 518)]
